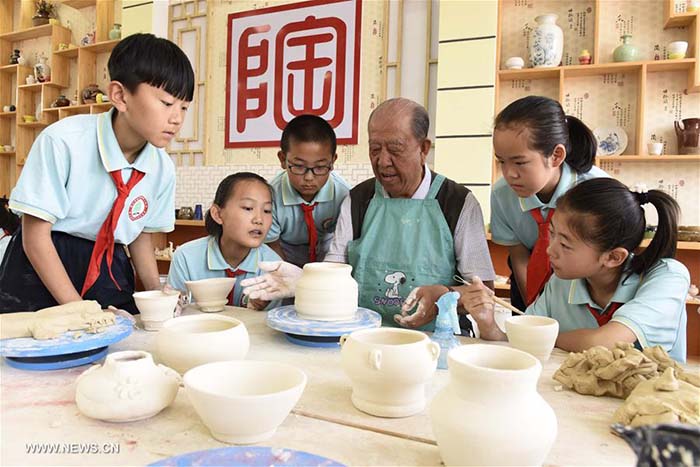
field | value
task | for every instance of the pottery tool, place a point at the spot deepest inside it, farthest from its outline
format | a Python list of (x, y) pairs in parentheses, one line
[(496, 299)]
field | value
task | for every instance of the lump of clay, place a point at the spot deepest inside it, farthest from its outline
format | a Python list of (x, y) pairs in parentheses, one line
[(50, 323), (600, 371), (663, 399)]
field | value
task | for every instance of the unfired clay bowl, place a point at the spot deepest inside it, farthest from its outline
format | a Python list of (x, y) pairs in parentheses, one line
[(535, 335), (189, 341), (211, 294), (244, 402), (156, 307)]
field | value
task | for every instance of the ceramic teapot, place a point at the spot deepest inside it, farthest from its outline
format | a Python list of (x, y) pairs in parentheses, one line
[(688, 136)]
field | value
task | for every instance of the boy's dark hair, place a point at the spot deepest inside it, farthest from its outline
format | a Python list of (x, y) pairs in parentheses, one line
[(308, 129), (608, 215), (224, 192), (9, 221), (549, 126), (145, 58)]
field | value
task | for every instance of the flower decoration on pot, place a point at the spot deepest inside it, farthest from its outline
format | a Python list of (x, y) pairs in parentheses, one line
[(44, 11)]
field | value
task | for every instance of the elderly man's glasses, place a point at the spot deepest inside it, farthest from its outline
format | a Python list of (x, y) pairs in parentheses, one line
[(302, 169)]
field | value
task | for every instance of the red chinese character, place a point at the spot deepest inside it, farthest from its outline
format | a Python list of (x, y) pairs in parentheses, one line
[(245, 93), (310, 63)]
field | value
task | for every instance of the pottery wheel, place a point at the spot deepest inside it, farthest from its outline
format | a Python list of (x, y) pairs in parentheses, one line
[(315, 333), (72, 348)]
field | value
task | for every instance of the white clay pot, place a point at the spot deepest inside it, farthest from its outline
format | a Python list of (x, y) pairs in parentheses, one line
[(189, 341), (211, 295), (490, 412), (244, 402), (127, 387), (389, 368), (156, 307), (535, 335), (326, 292)]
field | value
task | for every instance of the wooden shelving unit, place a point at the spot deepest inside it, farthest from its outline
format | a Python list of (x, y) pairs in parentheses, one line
[(30, 97)]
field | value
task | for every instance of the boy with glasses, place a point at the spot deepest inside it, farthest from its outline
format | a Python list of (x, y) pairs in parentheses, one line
[(308, 194)]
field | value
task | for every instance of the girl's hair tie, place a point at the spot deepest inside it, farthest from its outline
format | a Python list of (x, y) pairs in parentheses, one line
[(642, 198)]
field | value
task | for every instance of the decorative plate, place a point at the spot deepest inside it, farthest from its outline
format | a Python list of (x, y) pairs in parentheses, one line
[(67, 343), (612, 141), (247, 456)]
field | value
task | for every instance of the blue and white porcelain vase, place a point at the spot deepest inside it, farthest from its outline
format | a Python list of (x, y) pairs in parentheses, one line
[(546, 42)]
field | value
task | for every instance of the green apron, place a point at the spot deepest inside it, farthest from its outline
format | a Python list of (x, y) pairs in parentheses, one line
[(405, 243)]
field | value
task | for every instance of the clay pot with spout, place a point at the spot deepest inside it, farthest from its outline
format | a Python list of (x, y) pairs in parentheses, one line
[(688, 136)]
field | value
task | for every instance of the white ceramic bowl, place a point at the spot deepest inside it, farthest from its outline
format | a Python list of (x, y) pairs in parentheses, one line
[(535, 335), (244, 402), (655, 149), (189, 341), (515, 63), (677, 49), (211, 294), (156, 307)]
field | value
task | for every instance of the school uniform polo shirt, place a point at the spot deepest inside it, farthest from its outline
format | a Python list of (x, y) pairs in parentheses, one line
[(288, 224), (512, 224), (653, 306), (66, 181), (202, 259)]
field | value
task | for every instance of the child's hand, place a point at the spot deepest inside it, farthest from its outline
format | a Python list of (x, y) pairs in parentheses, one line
[(425, 296), (256, 304), (477, 299), (279, 282)]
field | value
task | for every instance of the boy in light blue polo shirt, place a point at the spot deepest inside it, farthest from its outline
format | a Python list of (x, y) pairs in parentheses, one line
[(93, 184), (308, 193)]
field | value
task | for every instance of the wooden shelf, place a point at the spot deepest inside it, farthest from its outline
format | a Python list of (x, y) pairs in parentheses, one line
[(7, 153), (9, 69), (189, 223), (30, 33), (69, 53), (165, 260), (101, 47), (33, 125), (679, 20), (597, 69), (669, 158), (8, 114), (78, 4), (37, 86)]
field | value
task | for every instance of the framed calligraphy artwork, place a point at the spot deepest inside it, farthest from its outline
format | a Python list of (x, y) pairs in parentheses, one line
[(289, 60)]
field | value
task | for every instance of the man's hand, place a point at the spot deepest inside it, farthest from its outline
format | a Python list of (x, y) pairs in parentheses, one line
[(279, 281), (425, 297)]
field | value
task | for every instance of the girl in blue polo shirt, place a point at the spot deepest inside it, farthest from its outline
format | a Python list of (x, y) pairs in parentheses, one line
[(601, 292), (542, 153), (237, 223), (94, 184)]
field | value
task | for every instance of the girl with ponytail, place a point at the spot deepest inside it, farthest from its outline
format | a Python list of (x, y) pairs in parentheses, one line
[(542, 153), (601, 291)]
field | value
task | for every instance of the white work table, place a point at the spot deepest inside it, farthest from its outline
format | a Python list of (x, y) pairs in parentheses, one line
[(39, 407)]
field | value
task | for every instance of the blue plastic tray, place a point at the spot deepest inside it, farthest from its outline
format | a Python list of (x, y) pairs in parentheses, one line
[(67, 343)]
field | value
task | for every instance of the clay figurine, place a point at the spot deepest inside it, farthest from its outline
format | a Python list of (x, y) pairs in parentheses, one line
[(89, 94)]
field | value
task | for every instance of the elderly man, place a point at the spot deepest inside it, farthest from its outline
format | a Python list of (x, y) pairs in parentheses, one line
[(408, 231)]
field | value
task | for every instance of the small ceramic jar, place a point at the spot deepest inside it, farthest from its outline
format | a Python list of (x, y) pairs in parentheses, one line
[(585, 57), (127, 387), (389, 368), (677, 50), (515, 63)]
